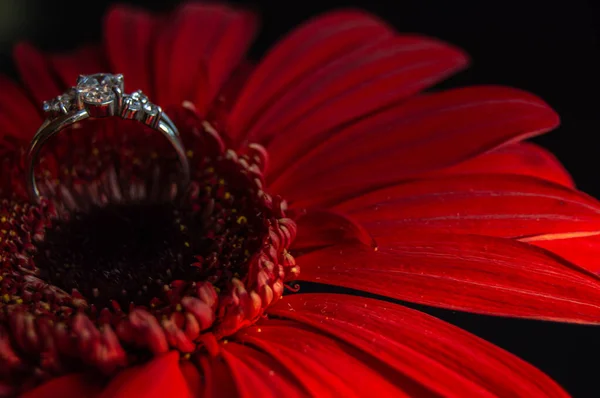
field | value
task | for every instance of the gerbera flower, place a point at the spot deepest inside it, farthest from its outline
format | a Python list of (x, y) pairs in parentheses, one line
[(322, 163)]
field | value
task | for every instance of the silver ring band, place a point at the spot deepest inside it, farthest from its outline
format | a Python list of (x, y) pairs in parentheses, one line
[(97, 96)]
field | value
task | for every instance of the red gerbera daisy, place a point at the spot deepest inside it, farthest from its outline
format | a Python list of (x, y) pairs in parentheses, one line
[(324, 158)]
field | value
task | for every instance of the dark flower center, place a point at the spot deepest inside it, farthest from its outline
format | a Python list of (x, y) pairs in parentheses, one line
[(128, 252)]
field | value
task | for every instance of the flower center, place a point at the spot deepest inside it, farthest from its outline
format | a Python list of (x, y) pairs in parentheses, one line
[(110, 266), (129, 253)]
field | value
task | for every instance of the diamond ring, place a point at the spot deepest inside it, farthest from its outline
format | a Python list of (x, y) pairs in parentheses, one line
[(97, 96)]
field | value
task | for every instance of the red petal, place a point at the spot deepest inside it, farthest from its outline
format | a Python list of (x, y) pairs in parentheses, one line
[(576, 248), (69, 386), (300, 54), (35, 71), (193, 378), (349, 87), (421, 135), (478, 274), (325, 366), (130, 35), (318, 228), (160, 377), (498, 205), (523, 158), (259, 375), (18, 116), (219, 381), (198, 50), (84, 61), (437, 355)]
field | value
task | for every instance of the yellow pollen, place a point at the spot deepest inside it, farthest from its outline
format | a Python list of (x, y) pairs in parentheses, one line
[(187, 244), (189, 153), (95, 152), (166, 288), (3, 219), (12, 233), (225, 341), (137, 161), (242, 220), (19, 301), (227, 195), (181, 227), (178, 308), (6, 298), (210, 170), (187, 356), (259, 330), (221, 182), (1, 278), (234, 210), (208, 188)]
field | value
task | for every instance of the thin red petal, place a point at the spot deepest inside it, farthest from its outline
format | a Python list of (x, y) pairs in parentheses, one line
[(478, 274), (325, 366), (318, 228), (69, 386), (160, 377), (510, 206), (130, 35), (18, 116), (524, 158), (420, 135), (258, 374), (351, 86), (439, 356), (300, 54), (218, 379), (198, 51), (36, 73), (84, 61), (193, 378), (577, 248)]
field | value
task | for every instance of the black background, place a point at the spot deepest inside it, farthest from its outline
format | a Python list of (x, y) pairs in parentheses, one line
[(548, 47)]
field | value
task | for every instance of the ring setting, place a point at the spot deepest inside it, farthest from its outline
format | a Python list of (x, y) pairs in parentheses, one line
[(101, 95)]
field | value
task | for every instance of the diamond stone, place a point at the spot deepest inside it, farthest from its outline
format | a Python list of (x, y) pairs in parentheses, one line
[(150, 109), (98, 89), (134, 105), (63, 103), (137, 101), (50, 106)]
